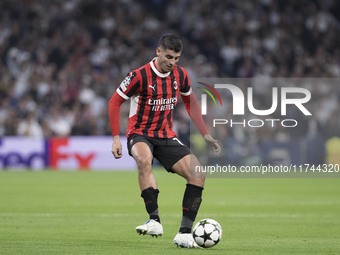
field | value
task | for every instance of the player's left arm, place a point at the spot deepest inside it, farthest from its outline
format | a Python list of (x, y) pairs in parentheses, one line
[(194, 112)]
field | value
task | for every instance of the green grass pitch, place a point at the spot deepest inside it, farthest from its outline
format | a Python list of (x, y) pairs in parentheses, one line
[(96, 213)]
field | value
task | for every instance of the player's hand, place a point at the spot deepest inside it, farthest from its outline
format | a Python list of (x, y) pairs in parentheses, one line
[(213, 144), (117, 147)]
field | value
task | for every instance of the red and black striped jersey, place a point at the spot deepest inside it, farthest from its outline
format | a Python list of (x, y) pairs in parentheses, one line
[(153, 96)]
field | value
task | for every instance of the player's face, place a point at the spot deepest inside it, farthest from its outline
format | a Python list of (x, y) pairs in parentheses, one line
[(166, 60)]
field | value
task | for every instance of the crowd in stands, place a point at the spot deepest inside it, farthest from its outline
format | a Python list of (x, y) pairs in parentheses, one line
[(62, 60)]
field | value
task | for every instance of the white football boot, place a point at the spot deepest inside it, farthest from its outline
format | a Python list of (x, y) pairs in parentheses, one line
[(151, 227), (185, 240)]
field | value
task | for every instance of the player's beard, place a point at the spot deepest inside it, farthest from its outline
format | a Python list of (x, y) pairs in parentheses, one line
[(167, 67)]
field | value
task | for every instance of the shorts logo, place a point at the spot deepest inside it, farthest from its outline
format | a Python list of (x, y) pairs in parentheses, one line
[(131, 141)]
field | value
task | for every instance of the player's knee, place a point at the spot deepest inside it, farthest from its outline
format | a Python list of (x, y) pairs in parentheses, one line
[(143, 162), (196, 178)]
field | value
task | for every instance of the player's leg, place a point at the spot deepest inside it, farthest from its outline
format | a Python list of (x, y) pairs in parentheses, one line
[(177, 158), (192, 198), (186, 167), (140, 150), (142, 154)]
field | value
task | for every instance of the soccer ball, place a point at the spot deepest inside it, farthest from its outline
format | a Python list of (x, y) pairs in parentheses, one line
[(207, 233)]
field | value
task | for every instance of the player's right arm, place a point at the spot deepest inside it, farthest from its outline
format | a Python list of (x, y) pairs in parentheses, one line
[(116, 147), (126, 89), (114, 118)]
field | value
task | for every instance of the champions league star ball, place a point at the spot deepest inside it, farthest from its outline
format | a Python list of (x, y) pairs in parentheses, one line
[(207, 233)]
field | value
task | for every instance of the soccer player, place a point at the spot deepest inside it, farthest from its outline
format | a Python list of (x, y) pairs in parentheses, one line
[(153, 91)]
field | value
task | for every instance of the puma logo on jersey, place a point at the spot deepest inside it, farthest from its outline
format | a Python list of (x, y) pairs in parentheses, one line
[(153, 87)]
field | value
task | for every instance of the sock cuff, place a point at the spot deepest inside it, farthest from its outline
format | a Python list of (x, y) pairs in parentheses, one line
[(149, 190), (195, 186)]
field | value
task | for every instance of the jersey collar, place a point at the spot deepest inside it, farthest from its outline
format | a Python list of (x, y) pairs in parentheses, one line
[(153, 67)]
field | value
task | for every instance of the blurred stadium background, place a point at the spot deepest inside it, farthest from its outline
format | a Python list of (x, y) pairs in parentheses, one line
[(62, 60)]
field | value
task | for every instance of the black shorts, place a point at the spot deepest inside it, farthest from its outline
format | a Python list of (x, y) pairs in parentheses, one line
[(166, 150)]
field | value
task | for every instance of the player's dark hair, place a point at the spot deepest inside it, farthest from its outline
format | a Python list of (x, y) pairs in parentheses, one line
[(171, 42)]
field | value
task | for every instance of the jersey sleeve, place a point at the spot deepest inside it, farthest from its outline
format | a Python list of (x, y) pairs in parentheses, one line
[(194, 112), (129, 86), (185, 88), (114, 112)]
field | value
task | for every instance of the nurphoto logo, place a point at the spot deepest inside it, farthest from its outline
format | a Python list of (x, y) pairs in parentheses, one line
[(243, 105)]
